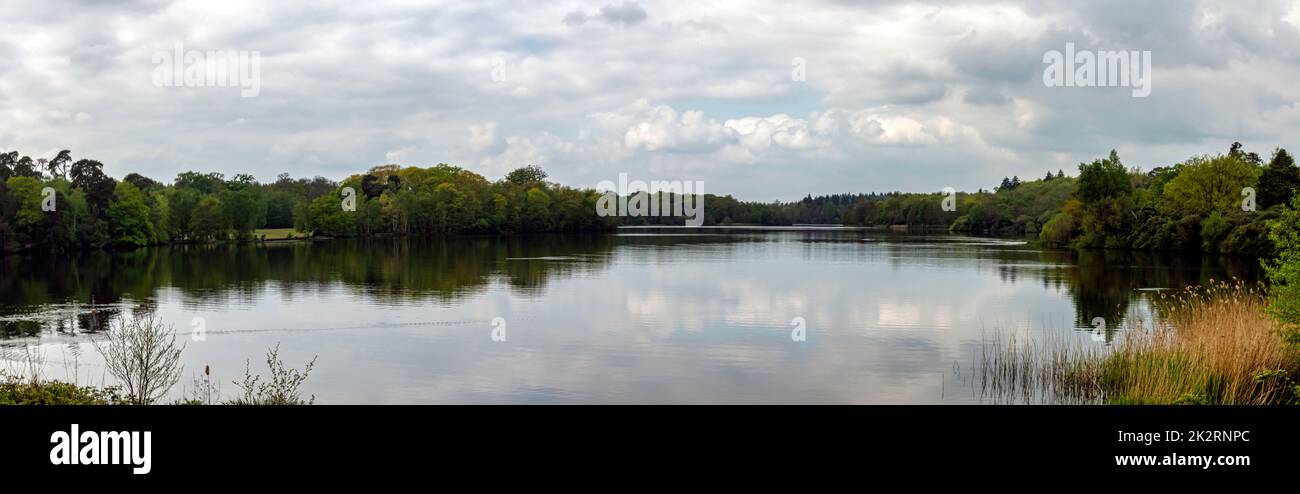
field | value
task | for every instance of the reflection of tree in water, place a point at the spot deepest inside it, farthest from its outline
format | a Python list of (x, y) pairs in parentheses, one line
[(1104, 283), (83, 292)]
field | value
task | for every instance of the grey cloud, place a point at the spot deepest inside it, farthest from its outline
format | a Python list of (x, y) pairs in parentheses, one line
[(627, 13), (575, 18), (986, 96), (347, 85)]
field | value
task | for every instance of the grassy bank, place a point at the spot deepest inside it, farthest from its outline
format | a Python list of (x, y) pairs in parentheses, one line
[(278, 234), (1209, 345)]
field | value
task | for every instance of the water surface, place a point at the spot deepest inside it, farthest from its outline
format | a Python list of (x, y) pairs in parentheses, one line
[(644, 316)]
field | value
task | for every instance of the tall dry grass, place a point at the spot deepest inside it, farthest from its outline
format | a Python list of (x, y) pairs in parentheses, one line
[(1209, 345)]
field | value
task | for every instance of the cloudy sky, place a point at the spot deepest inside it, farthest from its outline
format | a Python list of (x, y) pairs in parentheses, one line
[(896, 95)]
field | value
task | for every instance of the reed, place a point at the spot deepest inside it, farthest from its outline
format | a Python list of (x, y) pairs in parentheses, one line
[(1213, 344)]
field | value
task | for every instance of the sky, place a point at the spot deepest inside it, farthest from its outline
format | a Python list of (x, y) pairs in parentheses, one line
[(764, 100)]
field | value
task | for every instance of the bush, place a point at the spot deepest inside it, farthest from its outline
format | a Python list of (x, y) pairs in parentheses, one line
[(281, 389), (1250, 238), (15, 391), (1213, 229), (1284, 271), (143, 356)]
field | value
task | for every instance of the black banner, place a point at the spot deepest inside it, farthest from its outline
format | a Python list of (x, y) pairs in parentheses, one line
[(319, 443)]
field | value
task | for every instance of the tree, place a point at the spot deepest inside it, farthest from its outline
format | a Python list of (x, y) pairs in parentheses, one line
[(1064, 226), (1284, 271), (244, 209), (370, 186), (88, 175), (1278, 182), (208, 221), (58, 167), (203, 183), (7, 161), (182, 202), (536, 215), (28, 219), (159, 215), (528, 175), (329, 219), (128, 217), (1103, 178), (279, 209), (242, 181), (1204, 185), (25, 167), (1235, 151), (140, 181)]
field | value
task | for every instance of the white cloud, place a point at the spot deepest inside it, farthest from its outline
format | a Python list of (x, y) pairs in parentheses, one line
[(482, 136), (898, 95)]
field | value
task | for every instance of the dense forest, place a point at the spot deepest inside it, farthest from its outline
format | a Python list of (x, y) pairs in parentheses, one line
[(59, 204), (1197, 205), (1204, 204)]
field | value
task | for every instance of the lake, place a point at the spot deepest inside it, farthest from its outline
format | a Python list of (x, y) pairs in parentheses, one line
[(648, 315)]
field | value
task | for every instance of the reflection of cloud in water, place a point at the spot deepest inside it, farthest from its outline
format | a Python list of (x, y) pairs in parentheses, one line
[(619, 319)]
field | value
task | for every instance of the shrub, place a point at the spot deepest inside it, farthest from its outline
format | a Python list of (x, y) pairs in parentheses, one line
[(1213, 229), (142, 354), (15, 391), (283, 387), (1284, 271)]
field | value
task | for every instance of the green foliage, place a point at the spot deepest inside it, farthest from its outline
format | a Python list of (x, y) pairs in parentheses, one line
[(28, 219), (1213, 229), (1106, 222), (279, 209), (329, 219), (528, 175), (14, 391), (1206, 185), (208, 220), (1284, 271), (1064, 226), (1189, 206), (243, 208), (1249, 235), (128, 217), (1102, 179), (1279, 181), (1192, 206), (182, 201), (282, 387)]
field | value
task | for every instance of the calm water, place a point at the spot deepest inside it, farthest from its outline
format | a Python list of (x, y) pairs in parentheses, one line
[(646, 316)]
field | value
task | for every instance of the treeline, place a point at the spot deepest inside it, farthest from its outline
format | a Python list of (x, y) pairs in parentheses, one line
[(60, 204), (1202, 204), (1219, 203), (1013, 208)]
